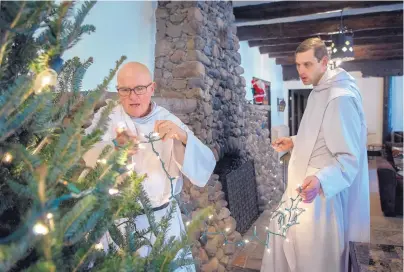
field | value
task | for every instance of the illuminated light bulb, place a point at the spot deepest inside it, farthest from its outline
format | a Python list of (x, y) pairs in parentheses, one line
[(347, 42), (40, 229), (98, 246), (113, 191), (121, 127), (103, 161), (7, 157), (49, 216), (344, 49), (227, 229), (246, 241), (45, 78), (338, 62), (130, 166), (332, 45), (335, 50), (351, 49)]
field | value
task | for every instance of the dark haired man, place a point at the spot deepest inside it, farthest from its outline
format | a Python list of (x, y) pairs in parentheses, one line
[(329, 163)]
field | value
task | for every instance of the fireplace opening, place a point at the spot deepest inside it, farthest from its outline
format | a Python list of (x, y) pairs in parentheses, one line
[(239, 186)]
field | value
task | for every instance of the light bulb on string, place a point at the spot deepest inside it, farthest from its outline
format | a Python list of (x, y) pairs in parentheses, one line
[(102, 161), (130, 166), (44, 79), (113, 191), (121, 127), (40, 229), (98, 246), (7, 158)]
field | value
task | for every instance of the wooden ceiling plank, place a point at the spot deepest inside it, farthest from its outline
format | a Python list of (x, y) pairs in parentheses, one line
[(358, 35), (283, 9), (380, 20), (364, 55), (378, 42)]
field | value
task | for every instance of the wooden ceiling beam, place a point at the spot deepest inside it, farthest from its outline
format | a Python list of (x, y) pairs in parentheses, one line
[(358, 35), (360, 55), (282, 9), (290, 48), (380, 20)]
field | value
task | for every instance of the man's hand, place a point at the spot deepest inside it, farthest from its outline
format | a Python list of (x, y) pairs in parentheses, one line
[(310, 189), (283, 144), (169, 130), (123, 137)]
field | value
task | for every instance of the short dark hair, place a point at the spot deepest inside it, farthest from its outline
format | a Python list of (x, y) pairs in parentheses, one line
[(320, 49)]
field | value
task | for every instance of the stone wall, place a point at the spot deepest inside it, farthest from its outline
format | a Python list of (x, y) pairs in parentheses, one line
[(268, 169), (197, 58), (199, 79), (197, 63)]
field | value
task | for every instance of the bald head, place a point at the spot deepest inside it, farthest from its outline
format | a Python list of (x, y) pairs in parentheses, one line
[(135, 88), (133, 70)]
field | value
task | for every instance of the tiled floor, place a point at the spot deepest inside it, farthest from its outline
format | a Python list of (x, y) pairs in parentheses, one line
[(384, 230)]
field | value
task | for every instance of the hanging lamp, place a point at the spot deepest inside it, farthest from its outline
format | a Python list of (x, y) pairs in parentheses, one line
[(342, 45)]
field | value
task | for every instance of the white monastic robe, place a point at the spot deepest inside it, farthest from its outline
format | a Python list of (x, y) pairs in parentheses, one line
[(195, 160), (330, 144)]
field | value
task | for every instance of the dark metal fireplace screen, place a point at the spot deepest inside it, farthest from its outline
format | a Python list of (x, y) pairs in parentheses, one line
[(240, 189)]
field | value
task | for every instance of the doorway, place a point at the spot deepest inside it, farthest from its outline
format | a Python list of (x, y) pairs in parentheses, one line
[(297, 104)]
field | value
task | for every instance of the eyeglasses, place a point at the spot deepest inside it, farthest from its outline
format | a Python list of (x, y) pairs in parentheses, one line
[(139, 90)]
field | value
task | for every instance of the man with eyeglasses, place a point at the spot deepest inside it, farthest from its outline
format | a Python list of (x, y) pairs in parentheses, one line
[(181, 151)]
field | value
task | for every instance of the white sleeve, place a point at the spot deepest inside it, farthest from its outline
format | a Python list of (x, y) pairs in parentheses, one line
[(195, 160)]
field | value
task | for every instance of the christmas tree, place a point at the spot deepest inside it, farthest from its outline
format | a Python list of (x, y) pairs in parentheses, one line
[(55, 209)]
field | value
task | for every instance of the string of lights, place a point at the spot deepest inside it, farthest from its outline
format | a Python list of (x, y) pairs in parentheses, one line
[(287, 216)]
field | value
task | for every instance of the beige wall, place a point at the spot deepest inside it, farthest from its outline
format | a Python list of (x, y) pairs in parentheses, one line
[(372, 94)]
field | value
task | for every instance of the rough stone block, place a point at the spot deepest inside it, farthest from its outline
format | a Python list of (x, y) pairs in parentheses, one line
[(212, 266), (163, 48), (239, 70), (196, 83), (189, 69), (161, 13), (177, 106), (173, 31), (179, 83), (197, 55), (195, 13), (178, 56), (177, 18)]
